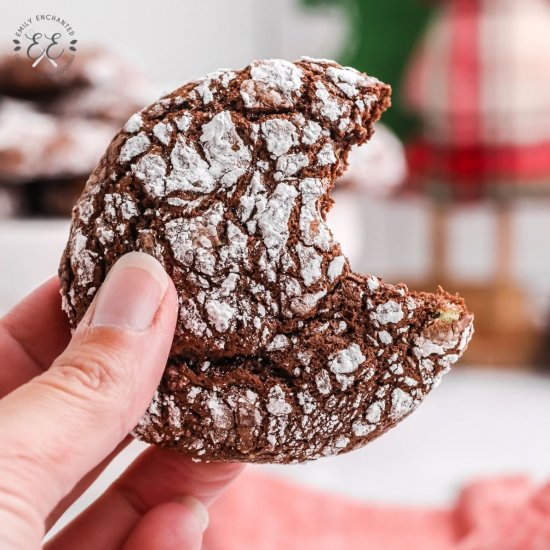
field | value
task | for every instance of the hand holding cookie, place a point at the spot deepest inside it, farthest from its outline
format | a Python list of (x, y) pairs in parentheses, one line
[(67, 405), (206, 290)]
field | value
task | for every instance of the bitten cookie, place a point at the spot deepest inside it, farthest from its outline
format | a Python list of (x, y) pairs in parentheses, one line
[(281, 353)]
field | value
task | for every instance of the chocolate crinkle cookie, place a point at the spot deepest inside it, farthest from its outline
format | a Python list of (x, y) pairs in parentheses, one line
[(281, 353)]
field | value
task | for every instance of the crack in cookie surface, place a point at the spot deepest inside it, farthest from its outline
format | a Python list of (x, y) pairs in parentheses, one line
[(281, 352)]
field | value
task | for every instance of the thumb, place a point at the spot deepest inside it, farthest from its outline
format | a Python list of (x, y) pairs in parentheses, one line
[(61, 424)]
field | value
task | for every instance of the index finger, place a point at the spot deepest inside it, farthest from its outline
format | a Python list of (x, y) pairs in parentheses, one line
[(32, 335)]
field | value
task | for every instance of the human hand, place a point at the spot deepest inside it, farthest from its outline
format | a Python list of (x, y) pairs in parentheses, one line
[(67, 405)]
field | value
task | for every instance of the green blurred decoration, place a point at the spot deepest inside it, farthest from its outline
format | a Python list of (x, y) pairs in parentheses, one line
[(381, 37)]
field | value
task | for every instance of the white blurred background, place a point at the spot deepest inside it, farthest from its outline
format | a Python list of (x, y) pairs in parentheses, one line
[(175, 40)]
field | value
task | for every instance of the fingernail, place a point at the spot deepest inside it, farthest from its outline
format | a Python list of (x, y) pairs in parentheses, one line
[(197, 507), (131, 293)]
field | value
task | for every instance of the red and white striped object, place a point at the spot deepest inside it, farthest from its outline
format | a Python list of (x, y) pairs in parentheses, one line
[(480, 82)]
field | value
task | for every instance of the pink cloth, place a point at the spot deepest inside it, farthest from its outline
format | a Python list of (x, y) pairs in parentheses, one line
[(263, 513)]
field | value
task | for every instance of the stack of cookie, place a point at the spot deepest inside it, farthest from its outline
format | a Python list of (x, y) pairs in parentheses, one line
[(54, 128)]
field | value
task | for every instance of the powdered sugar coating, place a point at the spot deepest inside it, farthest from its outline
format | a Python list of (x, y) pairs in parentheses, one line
[(133, 147), (134, 123), (190, 172), (326, 155), (402, 403), (280, 353), (289, 165), (336, 267), (228, 156), (312, 132), (347, 361), (277, 404), (349, 80), (280, 135), (151, 170), (163, 132), (327, 105), (220, 314), (390, 312), (273, 81)]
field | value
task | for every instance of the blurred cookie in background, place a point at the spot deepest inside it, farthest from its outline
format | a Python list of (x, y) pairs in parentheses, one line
[(36, 145), (109, 104), (91, 69), (56, 197), (113, 89), (19, 79), (55, 127), (12, 202)]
